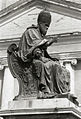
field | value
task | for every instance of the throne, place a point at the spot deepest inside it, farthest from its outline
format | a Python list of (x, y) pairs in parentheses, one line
[(23, 73)]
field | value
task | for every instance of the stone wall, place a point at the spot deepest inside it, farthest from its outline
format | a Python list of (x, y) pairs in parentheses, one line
[(6, 3)]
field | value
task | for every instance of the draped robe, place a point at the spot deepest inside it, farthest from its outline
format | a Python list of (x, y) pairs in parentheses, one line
[(52, 77)]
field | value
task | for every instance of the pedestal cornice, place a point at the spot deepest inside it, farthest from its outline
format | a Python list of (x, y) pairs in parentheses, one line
[(42, 107)]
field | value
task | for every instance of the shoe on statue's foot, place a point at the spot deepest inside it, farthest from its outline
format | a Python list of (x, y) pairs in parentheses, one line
[(44, 95)]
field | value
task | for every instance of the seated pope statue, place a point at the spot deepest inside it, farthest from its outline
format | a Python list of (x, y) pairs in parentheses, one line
[(38, 74)]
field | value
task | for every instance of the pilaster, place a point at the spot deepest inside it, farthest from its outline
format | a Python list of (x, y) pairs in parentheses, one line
[(7, 83), (70, 64)]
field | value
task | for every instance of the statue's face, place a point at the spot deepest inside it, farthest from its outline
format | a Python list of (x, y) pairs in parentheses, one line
[(43, 28)]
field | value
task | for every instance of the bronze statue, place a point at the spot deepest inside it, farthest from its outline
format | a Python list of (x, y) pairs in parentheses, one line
[(39, 75)]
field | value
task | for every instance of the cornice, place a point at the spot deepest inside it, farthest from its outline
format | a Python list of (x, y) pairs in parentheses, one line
[(58, 108), (65, 39), (21, 3), (15, 9), (67, 55), (62, 37), (62, 7)]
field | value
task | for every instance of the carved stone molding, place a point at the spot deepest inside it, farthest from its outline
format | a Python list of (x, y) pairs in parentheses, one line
[(55, 6), (3, 63), (1, 67), (72, 61), (64, 39)]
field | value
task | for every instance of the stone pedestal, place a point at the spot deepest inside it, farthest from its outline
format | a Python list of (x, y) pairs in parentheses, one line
[(41, 109)]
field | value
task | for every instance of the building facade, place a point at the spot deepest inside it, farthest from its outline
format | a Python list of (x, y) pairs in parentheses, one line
[(16, 16)]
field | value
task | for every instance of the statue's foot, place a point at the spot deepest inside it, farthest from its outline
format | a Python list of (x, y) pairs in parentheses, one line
[(49, 95), (43, 95)]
